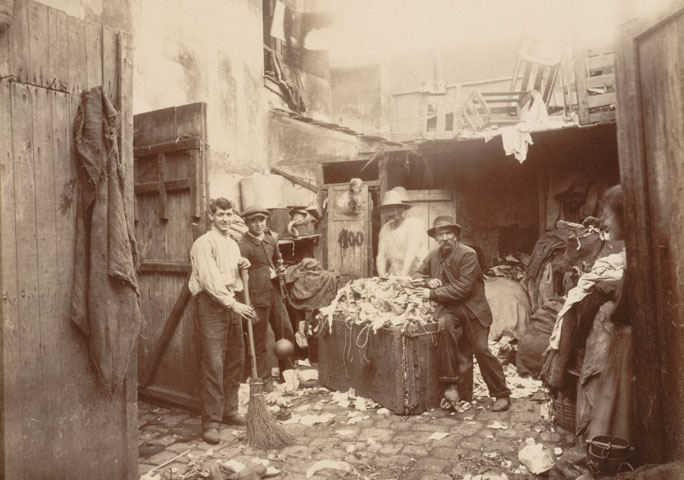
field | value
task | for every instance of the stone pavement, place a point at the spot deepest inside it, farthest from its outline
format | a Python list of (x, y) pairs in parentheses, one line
[(374, 445)]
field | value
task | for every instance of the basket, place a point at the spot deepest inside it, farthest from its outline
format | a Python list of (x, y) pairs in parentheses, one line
[(564, 411)]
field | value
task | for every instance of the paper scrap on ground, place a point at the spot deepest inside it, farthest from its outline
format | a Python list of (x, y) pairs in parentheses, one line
[(308, 375), (383, 411), (536, 457), (497, 425), (310, 420), (439, 435), (353, 420), (234, 465), (360, 404), (323, 464), (345, 433)]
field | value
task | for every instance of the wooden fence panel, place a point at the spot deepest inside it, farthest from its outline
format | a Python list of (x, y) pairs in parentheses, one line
[(58, 420)]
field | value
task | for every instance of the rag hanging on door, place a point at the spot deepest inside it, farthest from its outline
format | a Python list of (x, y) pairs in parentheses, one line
[(105, 299)]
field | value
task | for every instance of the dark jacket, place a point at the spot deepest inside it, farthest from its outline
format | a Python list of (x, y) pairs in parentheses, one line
[(465, 286), (262, 254)]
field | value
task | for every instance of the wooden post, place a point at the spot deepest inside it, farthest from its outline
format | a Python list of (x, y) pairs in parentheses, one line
[(581, 86)]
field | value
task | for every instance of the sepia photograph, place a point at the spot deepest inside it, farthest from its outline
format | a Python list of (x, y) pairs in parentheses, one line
[(342, 239)]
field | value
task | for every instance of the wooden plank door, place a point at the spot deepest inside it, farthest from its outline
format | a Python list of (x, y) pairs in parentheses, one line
[(430, 204), (170, 157), (349, 240), (650, 118)]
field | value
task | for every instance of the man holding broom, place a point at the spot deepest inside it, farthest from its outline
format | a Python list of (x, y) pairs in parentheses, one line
[(214, 281)]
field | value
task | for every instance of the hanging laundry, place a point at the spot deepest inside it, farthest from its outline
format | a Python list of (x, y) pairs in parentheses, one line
[(278, 25), (516, 142)]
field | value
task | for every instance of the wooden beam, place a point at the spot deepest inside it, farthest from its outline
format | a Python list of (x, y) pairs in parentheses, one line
[(295, 179), (581, 86), (161, 266), (180, 145), (165, 338), (169, 185)]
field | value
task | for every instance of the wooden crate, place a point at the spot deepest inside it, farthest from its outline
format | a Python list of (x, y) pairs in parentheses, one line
[(595, 84), (397, 370)]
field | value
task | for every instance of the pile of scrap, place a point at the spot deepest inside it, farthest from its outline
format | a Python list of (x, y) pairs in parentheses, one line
[(380, 302), (558, 260), (511, 266)]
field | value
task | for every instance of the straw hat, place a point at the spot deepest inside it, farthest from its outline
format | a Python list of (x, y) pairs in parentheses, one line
[(444, 221), (403, 194), (393, 198)]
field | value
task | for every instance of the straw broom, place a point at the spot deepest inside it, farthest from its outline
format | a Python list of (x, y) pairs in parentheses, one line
[(262, 430)]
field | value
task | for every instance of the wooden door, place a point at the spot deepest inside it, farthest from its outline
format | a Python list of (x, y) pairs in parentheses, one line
[(430, 204), (170, 158), (349, 240), (57, 419), (650, 119)]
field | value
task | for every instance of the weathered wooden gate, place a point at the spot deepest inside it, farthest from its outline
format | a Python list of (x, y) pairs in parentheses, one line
[(170, 181), (430, 204), (58, 421), (349, 240), (650, 116)]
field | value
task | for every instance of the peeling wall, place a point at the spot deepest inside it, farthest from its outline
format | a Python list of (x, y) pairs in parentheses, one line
[(292, 142), (186, 54), (360, 98), (299, 148)]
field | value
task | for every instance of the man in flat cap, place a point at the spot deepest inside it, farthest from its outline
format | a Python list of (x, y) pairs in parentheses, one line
[(454, 280), (402, 242), (260, 247)]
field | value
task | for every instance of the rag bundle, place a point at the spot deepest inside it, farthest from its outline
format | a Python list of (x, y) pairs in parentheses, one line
[(105, 299)]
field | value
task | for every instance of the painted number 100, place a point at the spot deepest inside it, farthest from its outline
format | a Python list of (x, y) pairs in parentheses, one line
[(349, 239)]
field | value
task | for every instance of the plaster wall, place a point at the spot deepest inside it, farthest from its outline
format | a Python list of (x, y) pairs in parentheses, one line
[(360, 98), (186, 54)]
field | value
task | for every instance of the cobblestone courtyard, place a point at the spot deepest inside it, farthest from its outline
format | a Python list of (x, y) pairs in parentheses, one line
[(374, 444)]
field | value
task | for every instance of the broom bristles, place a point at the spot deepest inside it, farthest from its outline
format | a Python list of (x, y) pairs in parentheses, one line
[(262, 430)]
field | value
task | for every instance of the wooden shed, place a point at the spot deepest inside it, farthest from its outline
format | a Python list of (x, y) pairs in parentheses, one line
[(57, 420)]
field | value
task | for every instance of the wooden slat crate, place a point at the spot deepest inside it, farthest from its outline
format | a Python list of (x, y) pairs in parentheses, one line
[(595, 84), (397, 370)]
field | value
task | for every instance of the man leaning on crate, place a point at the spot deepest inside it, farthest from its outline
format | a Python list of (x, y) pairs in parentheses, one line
[(453, 279)]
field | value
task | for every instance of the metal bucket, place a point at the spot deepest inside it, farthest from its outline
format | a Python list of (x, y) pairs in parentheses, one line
[(609, 455)]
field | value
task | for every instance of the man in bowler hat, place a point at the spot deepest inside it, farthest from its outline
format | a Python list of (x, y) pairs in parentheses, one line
[(451, 277)]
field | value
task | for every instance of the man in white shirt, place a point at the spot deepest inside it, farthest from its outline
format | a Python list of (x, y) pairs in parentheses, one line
[(214, 281), (402, 242)]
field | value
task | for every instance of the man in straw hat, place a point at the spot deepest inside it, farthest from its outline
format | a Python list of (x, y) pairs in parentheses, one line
[(402, 243), (454, 280), (214, 282), (260, 247)]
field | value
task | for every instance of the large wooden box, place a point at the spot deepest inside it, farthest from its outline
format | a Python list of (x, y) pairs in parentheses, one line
[(397, 370)]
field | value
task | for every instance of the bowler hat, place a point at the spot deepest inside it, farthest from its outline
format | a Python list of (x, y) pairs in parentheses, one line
[(254, 210), (392, 198), (444, 221)]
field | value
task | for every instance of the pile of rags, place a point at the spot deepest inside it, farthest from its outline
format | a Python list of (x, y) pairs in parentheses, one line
[(380, 302), (510, 266), (310, 287)]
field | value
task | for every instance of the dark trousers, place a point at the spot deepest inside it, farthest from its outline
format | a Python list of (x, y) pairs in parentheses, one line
[(276, 315), (221, 356), (461, 336)]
